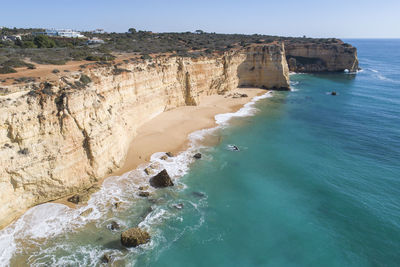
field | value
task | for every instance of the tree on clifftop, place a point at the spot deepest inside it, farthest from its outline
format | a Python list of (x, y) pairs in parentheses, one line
[(132, 30)]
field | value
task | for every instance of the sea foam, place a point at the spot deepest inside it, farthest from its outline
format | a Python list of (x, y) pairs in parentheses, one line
[(51, 219)]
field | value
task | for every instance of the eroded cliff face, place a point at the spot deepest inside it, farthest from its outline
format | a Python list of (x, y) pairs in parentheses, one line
[(321, 57), (62, 137)]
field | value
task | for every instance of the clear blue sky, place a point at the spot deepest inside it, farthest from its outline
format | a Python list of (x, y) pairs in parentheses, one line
[(335, 18)]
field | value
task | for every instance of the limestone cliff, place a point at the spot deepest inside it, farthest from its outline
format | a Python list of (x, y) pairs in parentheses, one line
[(57, 138), (321, 57)]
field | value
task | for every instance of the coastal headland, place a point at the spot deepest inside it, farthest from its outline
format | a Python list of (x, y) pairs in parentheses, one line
[(66, 132)]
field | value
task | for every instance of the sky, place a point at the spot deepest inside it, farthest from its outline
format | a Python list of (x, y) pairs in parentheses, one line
[(335, 18)]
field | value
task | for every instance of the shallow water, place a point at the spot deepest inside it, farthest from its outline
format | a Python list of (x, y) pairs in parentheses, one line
[(316, 183)]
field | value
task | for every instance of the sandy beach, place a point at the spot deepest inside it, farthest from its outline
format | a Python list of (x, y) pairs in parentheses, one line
[(169, 131)]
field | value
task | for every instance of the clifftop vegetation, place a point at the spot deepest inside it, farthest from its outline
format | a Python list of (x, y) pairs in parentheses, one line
[(55, 50)]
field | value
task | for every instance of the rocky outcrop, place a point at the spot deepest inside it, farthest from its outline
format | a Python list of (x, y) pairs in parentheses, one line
[(134, 237), (321, 57), (162, 179), (58, 138)]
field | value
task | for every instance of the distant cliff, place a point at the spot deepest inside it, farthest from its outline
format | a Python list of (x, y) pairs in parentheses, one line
[(60, 137), (321, 57)]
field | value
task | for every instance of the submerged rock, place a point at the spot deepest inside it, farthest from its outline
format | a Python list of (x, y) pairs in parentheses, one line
[(162, 179), (333, 93), (197, 156), (165, 157), (106, 258), (178, 206), (169, 154), (87, 212), (134, 237), (199, 194), (114, 226), (143, 194)]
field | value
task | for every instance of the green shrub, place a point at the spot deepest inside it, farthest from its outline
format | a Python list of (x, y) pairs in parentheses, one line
[(93, 58), (43, 41), (7, 69), (85, 79)]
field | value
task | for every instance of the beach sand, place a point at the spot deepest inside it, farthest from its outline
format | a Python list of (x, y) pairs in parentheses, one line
[(169, 131)]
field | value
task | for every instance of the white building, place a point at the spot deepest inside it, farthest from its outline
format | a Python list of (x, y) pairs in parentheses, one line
[(61, 33)]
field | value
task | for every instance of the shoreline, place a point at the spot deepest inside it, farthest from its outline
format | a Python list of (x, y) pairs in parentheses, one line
[(188, 120), (170, 130)]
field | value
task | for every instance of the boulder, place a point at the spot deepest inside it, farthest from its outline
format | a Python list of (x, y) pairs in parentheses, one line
[(143, 194), (169, 154), (162, 179), (333, 93), (149, 171), (134, 237), (165, 157), (74, 199), (84, 196), (197, 156)]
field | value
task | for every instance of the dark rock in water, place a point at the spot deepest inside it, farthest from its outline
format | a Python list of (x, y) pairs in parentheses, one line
[(165, 157), (169, 154), (161, 180), (134, 237), (106, 258), (198, 194), (114, 226), (117, 204), (178, 206), (333, 93), (197, 156), (143, 194)]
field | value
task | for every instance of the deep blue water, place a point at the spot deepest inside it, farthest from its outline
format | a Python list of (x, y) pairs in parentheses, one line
[(316, 183)]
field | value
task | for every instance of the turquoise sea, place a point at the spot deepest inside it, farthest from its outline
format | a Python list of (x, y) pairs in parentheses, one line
[(316, 183)]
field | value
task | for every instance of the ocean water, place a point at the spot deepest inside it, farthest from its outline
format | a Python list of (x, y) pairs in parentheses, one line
[(316, 182)]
